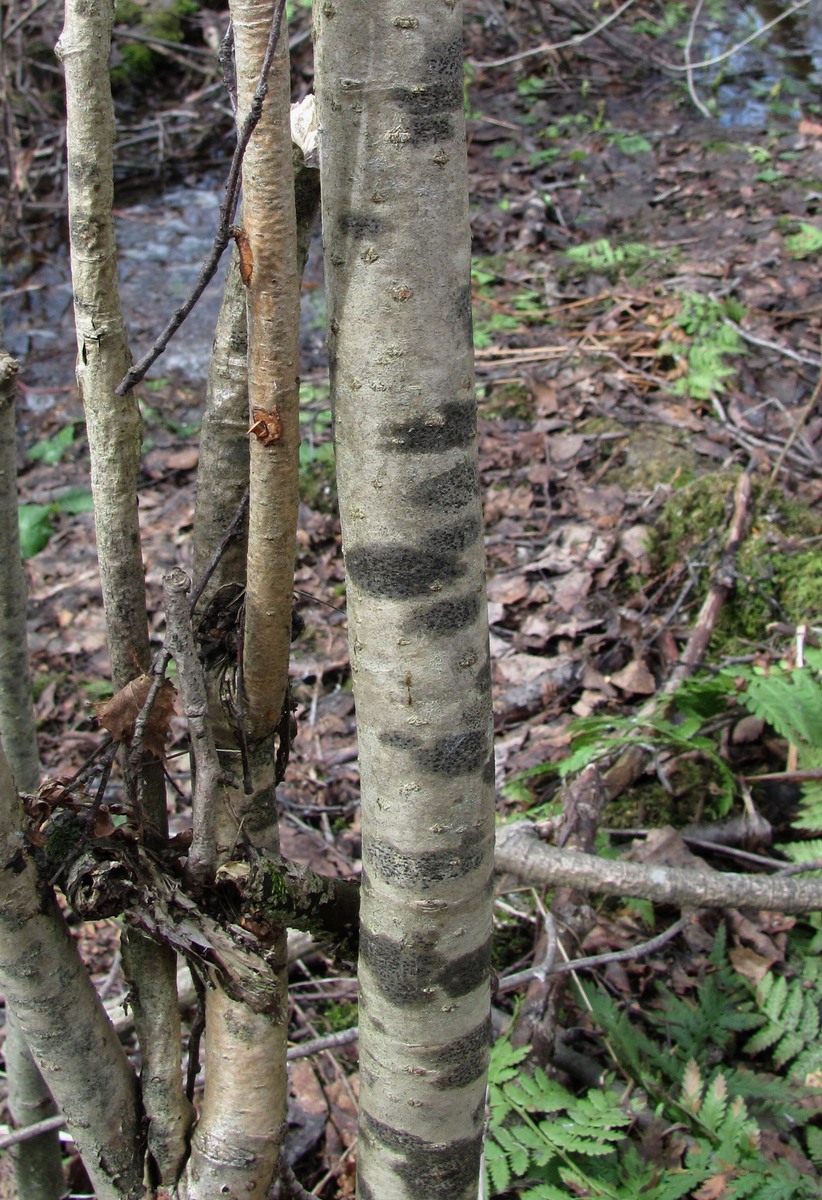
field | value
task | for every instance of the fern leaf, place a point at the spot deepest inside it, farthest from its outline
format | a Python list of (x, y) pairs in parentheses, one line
[(504, 1061), (496, 1164), (545, 1191), (763, 1040), (787, 1048), (516, 1153), (692, 1087), (714, 1104), (792, 703), (813, 1139)]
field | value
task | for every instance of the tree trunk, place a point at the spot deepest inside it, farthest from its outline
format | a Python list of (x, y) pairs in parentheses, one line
[(38, 1166), (237, 1140), (397, 258), (72, 1040), (114, 429)]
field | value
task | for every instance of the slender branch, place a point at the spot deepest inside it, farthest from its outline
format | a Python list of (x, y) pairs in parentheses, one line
[(737, 46), (630, 764), (158, 671), (785, 351), (226, 540), (344, 1038), (548, 47), (686, 54), (794, 434), (511, 982), (520, 851), (208, 773), (227, 211), (31, 1131)]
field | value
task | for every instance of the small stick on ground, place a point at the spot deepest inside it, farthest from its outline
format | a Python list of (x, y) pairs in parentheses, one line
[(631, 763)]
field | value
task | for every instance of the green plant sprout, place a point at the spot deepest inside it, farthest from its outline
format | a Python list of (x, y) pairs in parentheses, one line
[(36, 521), (804, 243), (54, 449), (602, 255), (705, 321)]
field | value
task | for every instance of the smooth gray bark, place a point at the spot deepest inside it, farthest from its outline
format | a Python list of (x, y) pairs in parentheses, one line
[(73, 1043), (397, 257), (37, 1163), (114, 428)]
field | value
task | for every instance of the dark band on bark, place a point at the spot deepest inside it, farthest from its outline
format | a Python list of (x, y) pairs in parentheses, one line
[(448, 491), (451, 755), (400, 572), (438, 1172), (412, 870), (450, 426), (360, 225), (445, 617), (463, 1060), (410, 973)]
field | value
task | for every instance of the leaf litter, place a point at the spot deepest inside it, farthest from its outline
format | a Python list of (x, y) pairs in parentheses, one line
[(604, 387)]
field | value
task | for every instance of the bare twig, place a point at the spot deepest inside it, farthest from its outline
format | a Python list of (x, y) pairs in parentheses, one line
[(344, 1038), (794, 434), (520, 851), (549, 47), (226, 540), (158, 671), (686, 54), (721, 587), (227, 211), (737, 46), (630, 764), (31, 1131), (21, 21), (764, 344), (202, 857)]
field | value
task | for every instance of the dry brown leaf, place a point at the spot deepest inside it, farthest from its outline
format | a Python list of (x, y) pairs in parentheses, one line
[(508, 589), (749, 964), (571, 589), (635, 678), (713, 1189), (119, 714)]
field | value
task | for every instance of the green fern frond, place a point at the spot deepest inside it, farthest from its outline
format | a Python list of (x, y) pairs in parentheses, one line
[(791, 1012), (790, 701)]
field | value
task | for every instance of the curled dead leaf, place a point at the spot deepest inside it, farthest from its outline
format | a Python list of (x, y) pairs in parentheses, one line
[(245, 254), (119, 714)]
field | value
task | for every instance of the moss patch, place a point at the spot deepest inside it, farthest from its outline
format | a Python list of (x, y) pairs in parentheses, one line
[(778, 569)]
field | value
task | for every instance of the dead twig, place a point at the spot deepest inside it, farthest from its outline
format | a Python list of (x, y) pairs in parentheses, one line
[(794, 434), (521, 852), (631, 763)]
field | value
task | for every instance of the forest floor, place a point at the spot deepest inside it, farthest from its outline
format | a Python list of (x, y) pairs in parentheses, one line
[(648, 316)]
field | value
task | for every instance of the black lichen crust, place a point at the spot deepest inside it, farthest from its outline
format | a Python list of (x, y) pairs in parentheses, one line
[(432, 867), (360, 225), (450, 426), (450, 490), (451, 755), (400, 572), (438, 1172), (462, 1061), (445, 617), (408, 973)]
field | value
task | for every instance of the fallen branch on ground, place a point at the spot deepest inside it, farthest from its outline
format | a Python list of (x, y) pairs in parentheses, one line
[(521, 852)]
